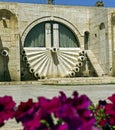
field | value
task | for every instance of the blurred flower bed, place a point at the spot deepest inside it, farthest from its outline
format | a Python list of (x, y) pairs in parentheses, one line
[(60, 113)]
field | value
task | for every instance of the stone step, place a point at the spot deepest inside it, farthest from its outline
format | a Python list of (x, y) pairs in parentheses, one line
[(99, 71)]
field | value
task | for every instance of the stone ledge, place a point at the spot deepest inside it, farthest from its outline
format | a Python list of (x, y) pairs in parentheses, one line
[(66, 81)]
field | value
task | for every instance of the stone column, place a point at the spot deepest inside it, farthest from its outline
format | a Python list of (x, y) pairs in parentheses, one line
[(55, 35), (103, 45), (113, 44), (14, 58), (48, 35)]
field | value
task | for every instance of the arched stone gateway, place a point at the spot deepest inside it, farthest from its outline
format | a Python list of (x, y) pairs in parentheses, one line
[(51, 50)]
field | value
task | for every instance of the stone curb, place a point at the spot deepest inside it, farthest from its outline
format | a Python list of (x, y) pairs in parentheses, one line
[(66, 81)]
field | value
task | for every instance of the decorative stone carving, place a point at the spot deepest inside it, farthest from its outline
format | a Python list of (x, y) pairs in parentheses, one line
[(53, 62)]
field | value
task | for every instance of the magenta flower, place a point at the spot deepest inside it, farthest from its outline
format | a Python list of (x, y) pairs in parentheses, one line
[(32, 116), (100, 112), (103, 122), (58, 113), (25, 111), (75, 112), (36, 122), (49, 105), (110, 109), (69, 115), (7, 106), (63, 126)]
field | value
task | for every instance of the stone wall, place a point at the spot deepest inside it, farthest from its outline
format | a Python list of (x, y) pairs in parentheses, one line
[(99, 36), (17, 19), (112, 37), (9, 39), (31, 14)]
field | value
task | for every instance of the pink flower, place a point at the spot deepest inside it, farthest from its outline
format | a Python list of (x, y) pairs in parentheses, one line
[(7, 106), (32, 115), (110, 109), (75, 111), (103, 122), (49, 105), (62, 127), (69, 113), (102, 118), (25, 111)]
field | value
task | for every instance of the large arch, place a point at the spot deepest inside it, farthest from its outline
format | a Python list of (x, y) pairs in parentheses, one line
[(9, 19), (55, 57), (60, 36), (71, 26)]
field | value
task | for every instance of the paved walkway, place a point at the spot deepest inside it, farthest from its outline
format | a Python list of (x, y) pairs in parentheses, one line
[(23, 92)]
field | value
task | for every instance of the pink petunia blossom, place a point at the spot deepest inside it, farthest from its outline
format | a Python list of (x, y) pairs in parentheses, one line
[(69, 113), (49, 105), (7, 106), (25, 111), (110, 109), (75, 111)]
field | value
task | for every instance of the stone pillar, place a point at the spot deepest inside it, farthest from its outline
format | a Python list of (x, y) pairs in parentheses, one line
[(55, 35), (113, 44), (48, 35), (103, 45), (14, 58)]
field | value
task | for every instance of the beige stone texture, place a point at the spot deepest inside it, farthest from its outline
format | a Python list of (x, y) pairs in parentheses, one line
[(17, 19)]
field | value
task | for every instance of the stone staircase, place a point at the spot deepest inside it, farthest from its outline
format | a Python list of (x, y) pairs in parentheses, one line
[(97, 68)]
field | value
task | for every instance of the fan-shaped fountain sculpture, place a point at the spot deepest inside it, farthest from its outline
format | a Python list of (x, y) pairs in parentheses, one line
[(54, 62)]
